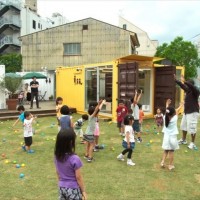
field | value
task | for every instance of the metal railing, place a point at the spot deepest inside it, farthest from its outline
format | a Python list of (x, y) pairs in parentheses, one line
[(14, 21), (9, 39), (15, 3)]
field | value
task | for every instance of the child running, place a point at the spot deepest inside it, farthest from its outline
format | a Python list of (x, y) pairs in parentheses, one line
[(141, 116), (129, 140), (28, 132), (136, 115), (159, 120), (78, 126), (170, 130), (121, 111), (68, 167), (89, 133), (21, 110), (59, 104), (65, 119)]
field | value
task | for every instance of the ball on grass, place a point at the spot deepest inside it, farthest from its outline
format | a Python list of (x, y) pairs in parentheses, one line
[(151, 141), (14, 161), (4, 140), (17, 166), (21, 175), (22, 165), (3, 155), (7, 161), (186, 151)]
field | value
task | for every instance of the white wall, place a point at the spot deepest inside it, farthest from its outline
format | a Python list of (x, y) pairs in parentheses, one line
[(147, 46), (2, 93)]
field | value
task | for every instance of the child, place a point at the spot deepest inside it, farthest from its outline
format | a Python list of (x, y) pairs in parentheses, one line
[(59, 101), (129, 140), (78, 126), (141, 116), (68, 166), (97, 131), (136, 115), (159, 120), (89, 133), (28, 132), (122, 111), (170, 130), (65, 119), (21, 110)]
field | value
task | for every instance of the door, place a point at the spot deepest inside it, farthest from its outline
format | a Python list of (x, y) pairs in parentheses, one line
[(127, 81), (90, 86), (165, 87)]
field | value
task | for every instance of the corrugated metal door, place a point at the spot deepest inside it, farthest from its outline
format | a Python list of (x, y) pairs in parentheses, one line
[(127, 81), (165, 87)]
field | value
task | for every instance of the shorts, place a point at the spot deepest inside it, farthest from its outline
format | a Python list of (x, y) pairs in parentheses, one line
[(88, 138), (189, 122), (96, 132), (28, 141), (70, 194), (79, 132), (136, 126), (120, 124), (124, 144)]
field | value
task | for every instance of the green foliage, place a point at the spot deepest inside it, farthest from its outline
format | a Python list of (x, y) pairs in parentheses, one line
[(13, 62), (181, 53), (12, 84)]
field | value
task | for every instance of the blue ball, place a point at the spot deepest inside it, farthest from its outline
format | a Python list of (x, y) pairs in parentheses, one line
[(18, 166), (21, 175)]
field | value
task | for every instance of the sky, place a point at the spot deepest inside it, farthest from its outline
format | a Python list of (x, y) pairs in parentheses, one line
[(163, 20)]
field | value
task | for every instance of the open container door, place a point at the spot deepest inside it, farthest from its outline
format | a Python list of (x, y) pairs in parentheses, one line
[(127, 81), (165, 87)]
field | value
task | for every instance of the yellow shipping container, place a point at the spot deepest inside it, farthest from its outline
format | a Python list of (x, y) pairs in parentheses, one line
[(118, 79)]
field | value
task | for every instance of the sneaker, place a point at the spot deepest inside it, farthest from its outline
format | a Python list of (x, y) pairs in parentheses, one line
[(38, 107), (90, 159), (24, 148), (139, 140), (31, 151), (192, 146), (130, 162), (171, 167), (120, 157), (181, 141)]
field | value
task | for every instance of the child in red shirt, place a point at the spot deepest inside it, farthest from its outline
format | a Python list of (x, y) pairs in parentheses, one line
[(122, 111)]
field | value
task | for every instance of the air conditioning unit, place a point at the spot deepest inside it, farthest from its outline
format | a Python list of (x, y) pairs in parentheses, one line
[(146, 108)]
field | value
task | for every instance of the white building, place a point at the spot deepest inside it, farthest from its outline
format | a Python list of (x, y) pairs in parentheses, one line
[(147, 46), (18, 18)]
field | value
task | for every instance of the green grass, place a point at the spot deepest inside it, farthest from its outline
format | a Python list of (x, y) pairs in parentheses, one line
[(105, 178)]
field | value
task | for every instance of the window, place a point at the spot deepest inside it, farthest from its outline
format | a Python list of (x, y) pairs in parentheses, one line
[(72, 48), (34, 24), (38, 25), (85, 27), (124, 26)]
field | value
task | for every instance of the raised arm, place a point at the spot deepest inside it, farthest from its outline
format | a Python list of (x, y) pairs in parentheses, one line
[(97, 108), (179, 108), (168, 102), (139, 96), (181, 83)]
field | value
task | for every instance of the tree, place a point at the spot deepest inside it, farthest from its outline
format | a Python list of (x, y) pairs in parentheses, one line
[(13, 62), (181, 53)]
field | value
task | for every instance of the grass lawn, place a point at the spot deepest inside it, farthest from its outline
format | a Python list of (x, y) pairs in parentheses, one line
[(105, 178)]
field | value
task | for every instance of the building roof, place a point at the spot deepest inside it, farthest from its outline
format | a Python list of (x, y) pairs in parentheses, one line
[(135, 39), (140, 58)]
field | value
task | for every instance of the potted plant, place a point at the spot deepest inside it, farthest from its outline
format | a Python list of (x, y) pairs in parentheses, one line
[(51, 97), (10, 85)]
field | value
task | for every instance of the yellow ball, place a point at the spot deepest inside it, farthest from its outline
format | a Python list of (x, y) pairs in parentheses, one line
[(151, 141), (15, 131), (6, 161), (37, 124), (23, 165)]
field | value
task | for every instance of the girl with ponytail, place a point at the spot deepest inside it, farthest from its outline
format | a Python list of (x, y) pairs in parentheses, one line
[(170, 130)]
